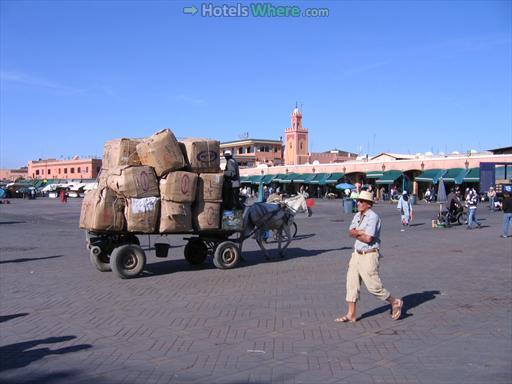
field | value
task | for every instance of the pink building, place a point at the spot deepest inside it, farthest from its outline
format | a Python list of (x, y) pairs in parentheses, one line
[(75, 168), (14, 174), (252, 152)]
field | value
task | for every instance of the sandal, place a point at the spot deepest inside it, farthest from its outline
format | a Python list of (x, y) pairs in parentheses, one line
[(344, 319), (397, 309)]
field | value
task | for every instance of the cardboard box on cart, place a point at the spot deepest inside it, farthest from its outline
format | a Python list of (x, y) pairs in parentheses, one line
[(162, 152), (119, 152), (102, 210), (129, 181), (179, 186), (202, 155), (175, 217), (142, 215)]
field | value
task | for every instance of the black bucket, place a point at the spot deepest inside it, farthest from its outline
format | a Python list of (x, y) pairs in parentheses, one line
[(161, 249)]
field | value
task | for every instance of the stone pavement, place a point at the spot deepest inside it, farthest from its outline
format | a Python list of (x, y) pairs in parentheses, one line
[(62, 321)]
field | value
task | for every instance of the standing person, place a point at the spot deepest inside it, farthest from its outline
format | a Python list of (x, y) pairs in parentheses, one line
[(231, 186), (62, 196), (405, 207), (491, 195), (382, 193), (364, 263), (472, 202), (506, 205)]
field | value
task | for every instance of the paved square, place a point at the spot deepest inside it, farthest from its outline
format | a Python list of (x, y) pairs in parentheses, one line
[(62, 321)]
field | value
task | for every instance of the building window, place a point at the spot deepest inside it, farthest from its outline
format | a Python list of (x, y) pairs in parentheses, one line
[(72, 170), (251, 149), (59, 171), (65, 171), (301, 145), (87, 169), (78, 170), (37, 172), (49, 171)]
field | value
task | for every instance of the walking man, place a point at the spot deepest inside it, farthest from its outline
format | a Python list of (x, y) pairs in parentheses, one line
[(472, 202), (364, 263), (506, 205)]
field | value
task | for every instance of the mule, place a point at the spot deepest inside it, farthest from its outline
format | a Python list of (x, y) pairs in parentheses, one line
[(279, 217)]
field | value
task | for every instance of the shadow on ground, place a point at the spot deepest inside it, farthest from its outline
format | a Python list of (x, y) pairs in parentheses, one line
[(410, 301), (20, 355), (25, 259), (250, 258), (10, 317)]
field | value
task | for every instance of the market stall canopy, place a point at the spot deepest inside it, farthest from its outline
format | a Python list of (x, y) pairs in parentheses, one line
[(455, 175), (374, 174), (304, 178), (389, 177), (473, 176), (431, 175), (289, 178), (334, 178), (318, 178), (267, 179)]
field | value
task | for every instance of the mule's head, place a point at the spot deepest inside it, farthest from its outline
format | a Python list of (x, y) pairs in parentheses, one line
[(297, 203)]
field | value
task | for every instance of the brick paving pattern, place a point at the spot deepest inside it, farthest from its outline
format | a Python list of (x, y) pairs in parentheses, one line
[(62, 321)]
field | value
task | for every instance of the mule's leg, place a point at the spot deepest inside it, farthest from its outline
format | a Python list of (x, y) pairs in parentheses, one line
[(288, 239), (279, 241), (259, 240)]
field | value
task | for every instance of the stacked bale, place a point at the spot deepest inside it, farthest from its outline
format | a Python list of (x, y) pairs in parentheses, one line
[(162, 152), (119, 152), (208, 203), (102, 210), (155, 181), (177, 193)]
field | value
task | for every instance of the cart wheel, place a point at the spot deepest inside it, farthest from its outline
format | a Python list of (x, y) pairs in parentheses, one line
[(196, 251), (463, 218), (99, 259), (128, 261), (227, 255)]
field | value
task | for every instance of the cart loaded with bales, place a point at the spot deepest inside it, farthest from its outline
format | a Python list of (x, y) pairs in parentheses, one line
[(159, 186)]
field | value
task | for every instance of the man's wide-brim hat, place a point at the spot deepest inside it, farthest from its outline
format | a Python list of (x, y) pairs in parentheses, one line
[(366, 196)]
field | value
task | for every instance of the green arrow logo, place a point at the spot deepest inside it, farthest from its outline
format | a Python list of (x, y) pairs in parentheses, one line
[(190, 10)]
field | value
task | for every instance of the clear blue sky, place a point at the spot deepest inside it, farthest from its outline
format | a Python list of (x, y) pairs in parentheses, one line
[(388, 76)]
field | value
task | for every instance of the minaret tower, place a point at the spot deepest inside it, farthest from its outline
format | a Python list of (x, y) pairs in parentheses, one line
[(296, 140)]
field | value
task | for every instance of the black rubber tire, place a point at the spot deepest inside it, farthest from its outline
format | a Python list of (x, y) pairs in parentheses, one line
[(99, 259), (462, 218), (226, 255), (128, 261), (195, 251)]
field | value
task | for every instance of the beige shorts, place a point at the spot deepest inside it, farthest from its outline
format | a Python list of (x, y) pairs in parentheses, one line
[(366, 268)]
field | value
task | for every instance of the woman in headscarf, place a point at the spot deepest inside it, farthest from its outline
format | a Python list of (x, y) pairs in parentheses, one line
[(405, 207)]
